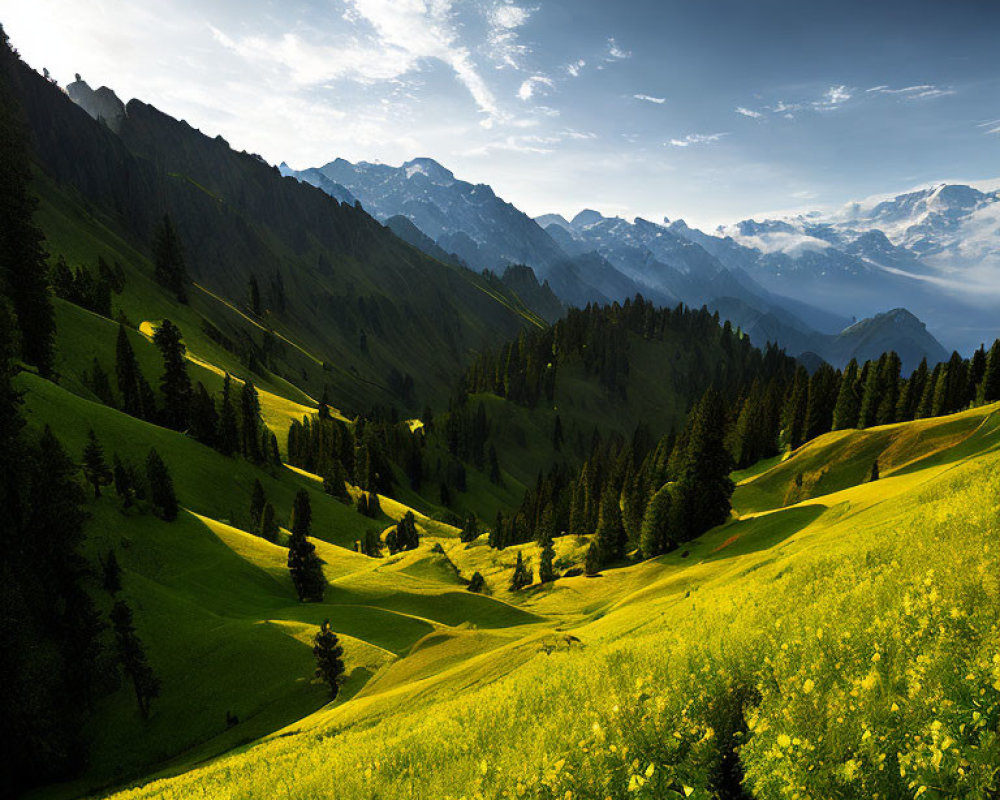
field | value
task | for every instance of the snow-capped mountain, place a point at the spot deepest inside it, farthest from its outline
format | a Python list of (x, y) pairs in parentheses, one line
[(594, 258), (934, 251)]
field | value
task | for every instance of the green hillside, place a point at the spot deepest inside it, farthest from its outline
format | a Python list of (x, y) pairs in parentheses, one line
[(855, 633)]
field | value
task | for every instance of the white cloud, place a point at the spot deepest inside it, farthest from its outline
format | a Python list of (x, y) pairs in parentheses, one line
[(833, 98), (922, 91), (616, 53), (534, 85), (504, 18), (647, 98), (574, 68), (746, 112), (403, 34), (696, 138)]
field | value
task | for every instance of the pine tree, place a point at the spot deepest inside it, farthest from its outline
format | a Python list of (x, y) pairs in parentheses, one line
[(546, 571), (493, 466), (822, 394), (269, 524), (329, 658), (99, 384), (871, 394), (132, 657), (407, 537), (127, 374), (161, 487), (303, 563), (655, 538), (521, 576), (23, 272), (873, 473), (257, 502), (704, 488), (477, 583), (848, 405), (229, 433), (610, 537), (95, 468), (168, 258), (991, 375), (175, 384), (470, 529), (204, 417), (250, 408), (793, 416)]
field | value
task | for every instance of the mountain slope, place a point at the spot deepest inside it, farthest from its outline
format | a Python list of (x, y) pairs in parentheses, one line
[(837, 607), (330, 275)]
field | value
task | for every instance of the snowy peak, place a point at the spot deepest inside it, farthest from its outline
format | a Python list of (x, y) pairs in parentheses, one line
[(430, 169)]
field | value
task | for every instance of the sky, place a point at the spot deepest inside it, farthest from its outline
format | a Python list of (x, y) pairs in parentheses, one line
[(711, 111)]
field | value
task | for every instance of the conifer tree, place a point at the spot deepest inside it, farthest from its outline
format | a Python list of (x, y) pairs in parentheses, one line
[(546, 571), (470, 529), (303, 563), (793, 417), (204, 417), (848, 405), (99, 384), (95, 468), (229, 433), (521, 576), (991, 375), (168, 258), (175, 384), (925, 407), (704, 488), (873, 473), (610, 537), (335, 481), (250, 408), (823, 392), (493, 466), (127, 374), (407, 537), (655, 538), (132, 657), (269, 524), (477, 584), (23, 272), (329, 658), (161, 487), (871, 393), (257, 502)]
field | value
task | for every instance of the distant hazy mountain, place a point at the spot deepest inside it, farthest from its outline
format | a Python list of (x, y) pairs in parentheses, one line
[(936, 252), (593, 258)]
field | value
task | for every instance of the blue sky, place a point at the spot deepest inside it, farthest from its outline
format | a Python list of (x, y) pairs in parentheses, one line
[(711, 111)]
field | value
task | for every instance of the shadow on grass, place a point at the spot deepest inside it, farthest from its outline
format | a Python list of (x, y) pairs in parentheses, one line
[(761, 533)]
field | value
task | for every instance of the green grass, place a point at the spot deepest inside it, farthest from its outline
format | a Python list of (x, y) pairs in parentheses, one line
[(863, 617)]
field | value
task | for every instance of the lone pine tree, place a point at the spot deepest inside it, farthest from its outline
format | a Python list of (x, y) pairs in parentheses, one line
[(521, 576), (329, 658), (268, 524), (175, 384), (303, 563)]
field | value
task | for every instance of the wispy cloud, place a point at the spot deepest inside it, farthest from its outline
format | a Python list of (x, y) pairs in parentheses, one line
[(924, 91), (833, 98), (697, 138), (650, 99), (504, 18), (747, 112), (575, 67), (533, 85), (616, 53), (389, 40)]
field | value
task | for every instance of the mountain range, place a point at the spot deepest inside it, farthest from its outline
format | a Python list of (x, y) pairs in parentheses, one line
[(593, 258)]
